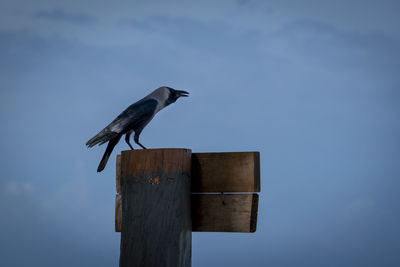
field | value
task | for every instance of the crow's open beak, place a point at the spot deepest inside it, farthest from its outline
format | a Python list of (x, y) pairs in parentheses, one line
[(182, 93)]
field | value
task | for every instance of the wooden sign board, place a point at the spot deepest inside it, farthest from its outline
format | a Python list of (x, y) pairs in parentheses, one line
[(212, 173), (224, 212), (226, 172)]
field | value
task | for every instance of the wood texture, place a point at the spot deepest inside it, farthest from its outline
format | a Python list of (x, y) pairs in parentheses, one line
[(224, 212), (118, 174), (118, 213), (226, 172), (168, 160), (220, 172), (216, 213), (156, 197)]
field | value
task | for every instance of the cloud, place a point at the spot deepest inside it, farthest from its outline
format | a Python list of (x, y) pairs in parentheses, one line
[(16, 188), (62, 16), (242, 2), (319, 45), (136, 23), (28, 222)]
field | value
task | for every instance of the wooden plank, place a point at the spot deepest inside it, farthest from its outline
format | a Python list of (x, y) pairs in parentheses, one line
[(224, 212), (118, 213), (118, 174), (220, 172), (226, 172), (216, 213), (156, 220), (167, 160)]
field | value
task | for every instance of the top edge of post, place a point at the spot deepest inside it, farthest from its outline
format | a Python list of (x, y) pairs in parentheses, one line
[(227, 152), (155, 149)]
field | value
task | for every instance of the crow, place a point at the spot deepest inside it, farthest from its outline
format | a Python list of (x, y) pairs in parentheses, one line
[(134, 119)]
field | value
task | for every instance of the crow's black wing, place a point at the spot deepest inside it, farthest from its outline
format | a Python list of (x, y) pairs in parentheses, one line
[(135, 116)]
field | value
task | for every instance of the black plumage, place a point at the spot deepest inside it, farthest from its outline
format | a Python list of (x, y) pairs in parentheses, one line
[(134, 119)]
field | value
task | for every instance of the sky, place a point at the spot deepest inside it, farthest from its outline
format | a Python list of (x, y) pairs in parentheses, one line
[(312, 85)]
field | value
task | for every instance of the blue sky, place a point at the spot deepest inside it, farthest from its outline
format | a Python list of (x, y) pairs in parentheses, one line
[(312, 85)]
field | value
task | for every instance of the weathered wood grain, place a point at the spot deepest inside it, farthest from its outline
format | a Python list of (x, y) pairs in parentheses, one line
[(118, 213), (168, 160), (226, 172), (156, 197), (118, 174), (220, 172), (216, 213), (224, 212)]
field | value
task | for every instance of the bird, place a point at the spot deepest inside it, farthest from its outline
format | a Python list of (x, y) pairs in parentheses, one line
[(134, 119)]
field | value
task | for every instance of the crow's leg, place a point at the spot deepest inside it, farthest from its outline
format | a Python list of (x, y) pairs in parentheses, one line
[(127, 137), (136, 138)]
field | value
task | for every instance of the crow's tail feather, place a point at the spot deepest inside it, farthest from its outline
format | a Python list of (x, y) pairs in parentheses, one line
[(107, 153), (101, 138)]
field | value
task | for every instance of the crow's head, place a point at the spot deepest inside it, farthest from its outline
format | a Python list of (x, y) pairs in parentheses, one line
[(173, 95)]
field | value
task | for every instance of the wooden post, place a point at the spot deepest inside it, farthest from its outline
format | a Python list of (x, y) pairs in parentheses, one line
[(156, 208)]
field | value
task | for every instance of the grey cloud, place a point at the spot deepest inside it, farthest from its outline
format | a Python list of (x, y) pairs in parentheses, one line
[(32, 232), (136, 23), (242, 2), (59, 15), (332, 47)]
